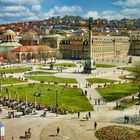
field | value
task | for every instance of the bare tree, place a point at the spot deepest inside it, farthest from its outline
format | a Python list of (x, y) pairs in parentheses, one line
[(11, 58), (43, 54), (57, 54), (136, 74)]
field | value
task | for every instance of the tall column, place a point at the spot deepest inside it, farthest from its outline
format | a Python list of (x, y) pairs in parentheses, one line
[(90, 44), (89, 64), (57, 43)]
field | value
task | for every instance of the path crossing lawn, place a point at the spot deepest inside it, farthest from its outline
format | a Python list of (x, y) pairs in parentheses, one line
[(52, 79), (100, 80), (10, 80), (14, 70), (115, 92), (68, 98), (40, 72)]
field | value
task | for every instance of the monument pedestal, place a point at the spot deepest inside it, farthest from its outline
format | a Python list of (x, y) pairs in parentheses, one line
[(89, 66)]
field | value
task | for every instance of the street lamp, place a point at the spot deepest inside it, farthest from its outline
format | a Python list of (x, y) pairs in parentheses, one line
[(0, 85), (56, 85)]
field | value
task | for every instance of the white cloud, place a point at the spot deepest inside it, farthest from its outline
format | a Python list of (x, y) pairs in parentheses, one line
[(13, 8), (36, 8), (128, 3), (19, 14), (108, 14), (93, 14), (64, 10), (111, 14), (131, 13), (30, 18), (23, 2)]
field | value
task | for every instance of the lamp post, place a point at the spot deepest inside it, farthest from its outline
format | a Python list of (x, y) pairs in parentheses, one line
[(56, 85), (0, 85)]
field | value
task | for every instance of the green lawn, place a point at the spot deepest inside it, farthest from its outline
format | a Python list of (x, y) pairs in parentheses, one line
[(65, 65), (115, 92), (40, 72), (100, 80), (127, 104), (122, 77), (11, 80), (14, 70), (52, 79), (105, 65), (68, 98), (101, 65), (132, 69)]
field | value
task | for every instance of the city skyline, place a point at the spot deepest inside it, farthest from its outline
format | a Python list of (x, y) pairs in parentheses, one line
[(26, 10)]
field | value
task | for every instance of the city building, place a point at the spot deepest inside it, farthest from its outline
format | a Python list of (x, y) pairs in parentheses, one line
[(29, 53), (103, 47), (9, 41), (135, 43)]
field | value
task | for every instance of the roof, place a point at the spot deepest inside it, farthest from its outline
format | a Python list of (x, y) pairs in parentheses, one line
[(9, 32), (10, 44), (32, 48)]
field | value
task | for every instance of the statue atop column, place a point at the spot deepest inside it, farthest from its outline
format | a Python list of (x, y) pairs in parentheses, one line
[(90, 64), (90, 23)]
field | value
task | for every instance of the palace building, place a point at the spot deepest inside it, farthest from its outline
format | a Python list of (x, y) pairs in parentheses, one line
[(103, 47), (135, 43)]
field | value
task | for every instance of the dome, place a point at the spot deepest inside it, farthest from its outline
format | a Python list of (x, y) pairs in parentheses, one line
[(10, 32)]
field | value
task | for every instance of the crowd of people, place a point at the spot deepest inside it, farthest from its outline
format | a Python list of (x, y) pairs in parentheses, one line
[(26, 107)]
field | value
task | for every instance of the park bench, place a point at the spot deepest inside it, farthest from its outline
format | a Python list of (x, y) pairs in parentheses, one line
[(74, 86)]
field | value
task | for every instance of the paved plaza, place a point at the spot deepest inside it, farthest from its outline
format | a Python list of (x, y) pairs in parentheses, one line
[(44, 128)]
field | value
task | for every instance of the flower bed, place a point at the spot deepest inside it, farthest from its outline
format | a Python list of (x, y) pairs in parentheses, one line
[(117, 133)]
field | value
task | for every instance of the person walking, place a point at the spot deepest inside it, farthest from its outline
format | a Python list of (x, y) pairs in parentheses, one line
[(29, 132), (95, 125), (57, 131), (89, 114), (78, 114)]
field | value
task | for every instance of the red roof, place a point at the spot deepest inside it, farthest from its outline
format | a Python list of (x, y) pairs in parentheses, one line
[(32, 48)]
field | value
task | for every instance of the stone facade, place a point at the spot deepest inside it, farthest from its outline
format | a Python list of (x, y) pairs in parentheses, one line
[(102, 47), (135, 43)]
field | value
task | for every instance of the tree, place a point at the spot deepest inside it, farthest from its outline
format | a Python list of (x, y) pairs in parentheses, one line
[(136, 74), (44, 56), (11, 58), (57, 54)]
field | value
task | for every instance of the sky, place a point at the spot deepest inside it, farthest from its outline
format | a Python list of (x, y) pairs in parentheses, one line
[(28, 10)]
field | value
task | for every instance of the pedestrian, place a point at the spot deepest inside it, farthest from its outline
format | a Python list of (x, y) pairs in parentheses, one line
[(90, 97), (89, 114), (95, 102), (98, 101), (87, 117), (78, 114), (132, 96), (86, 92), (29, 132), (26, 134), (95, 126), (125, 118), (139, 112), (58, 131)]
